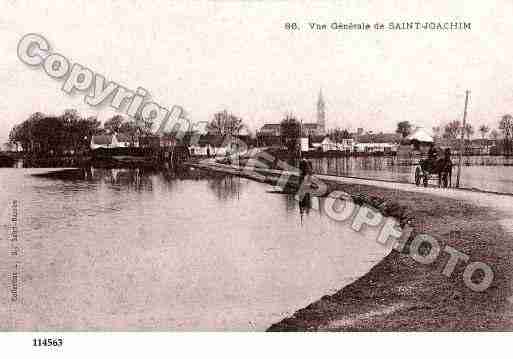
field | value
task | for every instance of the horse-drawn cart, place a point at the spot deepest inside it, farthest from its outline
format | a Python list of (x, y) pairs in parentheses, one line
[(433, 168), (436, 166)]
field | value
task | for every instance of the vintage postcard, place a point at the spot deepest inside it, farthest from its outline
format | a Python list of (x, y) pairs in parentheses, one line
[(255, 166)]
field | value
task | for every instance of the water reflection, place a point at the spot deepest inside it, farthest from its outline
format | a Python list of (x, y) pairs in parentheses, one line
[(226, 187), (493, 173), (304, 205), (130, 179), (189, 250)]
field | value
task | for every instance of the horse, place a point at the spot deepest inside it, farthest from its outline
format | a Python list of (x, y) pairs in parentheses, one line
[(445, 172), (440, 166)]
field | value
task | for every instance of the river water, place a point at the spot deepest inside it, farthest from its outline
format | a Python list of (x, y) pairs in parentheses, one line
[(136, 250), (478, 172)]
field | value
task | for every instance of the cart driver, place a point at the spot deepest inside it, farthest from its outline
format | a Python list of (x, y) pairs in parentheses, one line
[(433, 152)]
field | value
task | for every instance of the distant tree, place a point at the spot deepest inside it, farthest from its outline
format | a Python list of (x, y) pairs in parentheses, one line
[(77, 131), (130, 129), (337, 135), (225, 123), (483, 129), (81, 132), (404, 128), (468, 131), (452, 129), (21, 134), (290, 130), (47, 135), (93, 125), (506, 126), (143, 125), (494, 134), (70, 117), (18, 138), (39, 133), (114, 123)]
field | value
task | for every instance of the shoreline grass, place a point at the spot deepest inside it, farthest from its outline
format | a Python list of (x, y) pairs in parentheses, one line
[(401, 294)]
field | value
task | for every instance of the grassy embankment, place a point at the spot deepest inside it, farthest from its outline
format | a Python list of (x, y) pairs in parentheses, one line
[(401, 294)]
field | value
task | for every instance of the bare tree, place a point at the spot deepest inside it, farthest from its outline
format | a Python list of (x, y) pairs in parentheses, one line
[(338, 134), (468, 130), (225, 123), (114, 123), (483, 129), (452, 129), (506, 126)]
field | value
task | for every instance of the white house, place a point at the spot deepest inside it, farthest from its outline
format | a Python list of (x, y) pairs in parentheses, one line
[(204, 150), (346, 144), (375, 147), (328, 145), (115, 140)]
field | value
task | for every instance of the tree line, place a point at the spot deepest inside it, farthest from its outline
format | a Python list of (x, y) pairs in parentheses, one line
[(455, 129), (51, 134), (71, 133)]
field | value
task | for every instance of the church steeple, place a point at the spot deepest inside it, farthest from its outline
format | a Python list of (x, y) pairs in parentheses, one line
[(321, 113)]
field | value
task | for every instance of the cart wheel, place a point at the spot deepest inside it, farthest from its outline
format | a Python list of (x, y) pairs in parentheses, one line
[(417, 176), (425, 181)]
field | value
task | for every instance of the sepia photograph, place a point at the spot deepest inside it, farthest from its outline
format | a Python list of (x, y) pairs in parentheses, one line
[(255, 166)]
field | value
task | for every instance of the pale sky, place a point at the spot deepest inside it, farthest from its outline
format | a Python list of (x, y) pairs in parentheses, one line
[(237, 55)]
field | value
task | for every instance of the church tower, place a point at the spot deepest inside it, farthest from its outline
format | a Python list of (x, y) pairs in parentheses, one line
[(321, 114)]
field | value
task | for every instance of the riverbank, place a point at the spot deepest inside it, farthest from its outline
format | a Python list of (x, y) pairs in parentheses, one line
[(401, 294)]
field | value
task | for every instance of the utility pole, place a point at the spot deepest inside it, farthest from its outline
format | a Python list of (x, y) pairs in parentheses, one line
[(300, 138), (462, 139)]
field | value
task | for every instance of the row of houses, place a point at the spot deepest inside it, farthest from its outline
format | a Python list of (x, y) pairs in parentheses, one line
[(349, 145), (471, 147), (215, 145), (120, 140), (390, 143), (202, 145)]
